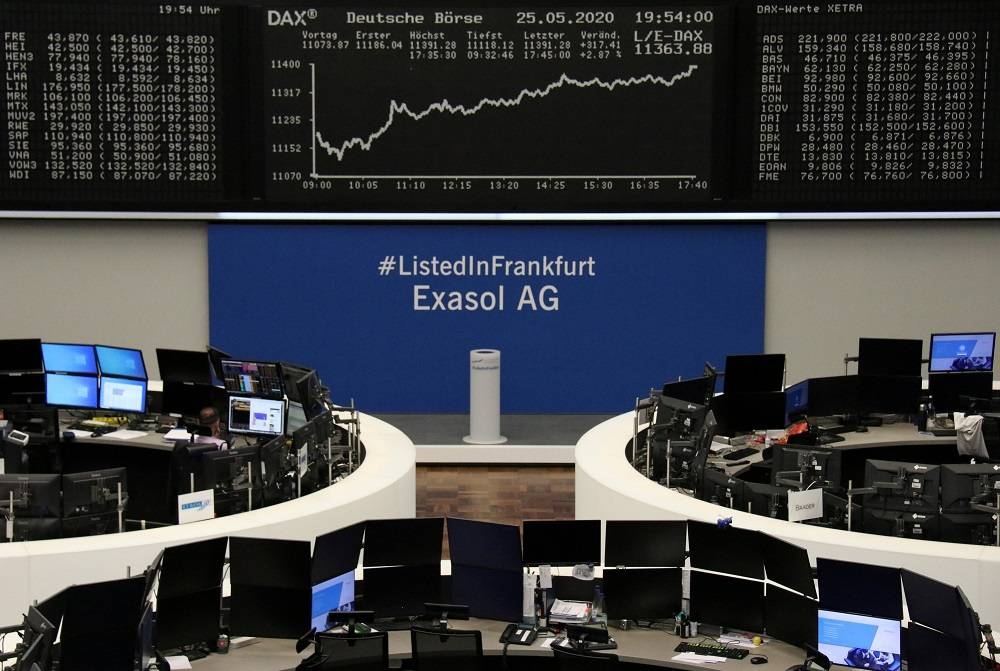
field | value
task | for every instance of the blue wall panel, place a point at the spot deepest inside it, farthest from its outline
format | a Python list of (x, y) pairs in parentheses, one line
[(647, 303)]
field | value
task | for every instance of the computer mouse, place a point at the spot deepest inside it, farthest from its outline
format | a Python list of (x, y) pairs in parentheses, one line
[(95, 435), (758, 660)]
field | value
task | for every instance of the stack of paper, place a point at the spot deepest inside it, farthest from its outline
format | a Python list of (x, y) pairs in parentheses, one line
[(570, 612), (695, 658)]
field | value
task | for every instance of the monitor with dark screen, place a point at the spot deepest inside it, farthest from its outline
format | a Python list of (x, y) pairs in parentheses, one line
[(790, 617), (253, 378), (901, 486), (734, 603), (763, 499), (178, 365), (187, 399), (125, 395), (337, 552), (725, 549), (955, 392), (860, 588), (489, 592), (720, 489), (35, 494), (962, 352), (69, 358), (311, 394), (931, 650), (271, 591), (860, 641), (561, 542), (235, 477), (750, 411), (696, 390), (484, 544), (963, 485), (22, 388), (215, 358), (971, 528), (934, 604), (652, 543), (120, 362), (401, 591), (189, 595), (255, 415), (787, 564), (71, 391), (291, 373), (642, 593), (93, 492), (800, 467), (753, 373), (405, 541), (834, 395), (21, 356), (891, 394), (890, 356)]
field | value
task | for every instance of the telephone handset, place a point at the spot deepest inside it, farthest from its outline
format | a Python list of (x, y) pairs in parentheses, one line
[(519, 634)]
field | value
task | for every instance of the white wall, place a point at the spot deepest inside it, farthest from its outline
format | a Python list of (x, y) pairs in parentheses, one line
[(830, 283), (131, 284)]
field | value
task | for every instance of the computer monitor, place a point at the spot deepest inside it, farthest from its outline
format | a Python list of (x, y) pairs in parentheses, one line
[(734, 603), (800, 467), (889, 394), (890, 356), (36, 529), (901, 524), (35, 494), (93, 492), (963, 485), (22, 355), (37, 641), (971, 528), (834, 395), (763, 499), (234, 475), (902, 486), (215, 358), (405, 541), (642, 593), (751, 411), (69, 358), (962, 352), (189, 594), (726, 549), (186, 399), (860, 641), (796, 402), (644, 543), (790, 617), (490, 593), (719, 488), (123, 394), (753, 373), (860, 588), (101, 624), (957, 392), (934, 604), (337, 552), (561, 542), (121, 362), (256, 415), (401, 591), (931, 650), (71, 391), (696, 390), (271, 591), (277, 468), (484, 544), (310, 393), (179, 365), (253, 378), (22, 389), (787, 564), (335, 594)]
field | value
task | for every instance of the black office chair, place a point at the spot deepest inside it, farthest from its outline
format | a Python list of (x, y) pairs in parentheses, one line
[(446, 649), (348, 652), (569, 659)]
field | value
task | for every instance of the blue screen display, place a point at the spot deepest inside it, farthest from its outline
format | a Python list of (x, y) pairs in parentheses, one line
[(61, 358), (78, 391), (333, 594), (120, 362), (123, 394), (956, 352)]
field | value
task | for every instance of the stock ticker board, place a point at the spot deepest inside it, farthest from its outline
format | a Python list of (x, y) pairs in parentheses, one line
[(687, 107)]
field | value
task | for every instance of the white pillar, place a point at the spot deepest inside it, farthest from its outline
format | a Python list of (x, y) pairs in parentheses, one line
[(484, 398)]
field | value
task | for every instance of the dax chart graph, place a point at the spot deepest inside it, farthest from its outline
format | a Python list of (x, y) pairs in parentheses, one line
[(528, 106)]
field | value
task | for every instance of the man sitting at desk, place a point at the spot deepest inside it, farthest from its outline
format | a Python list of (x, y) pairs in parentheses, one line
[(209, 417)]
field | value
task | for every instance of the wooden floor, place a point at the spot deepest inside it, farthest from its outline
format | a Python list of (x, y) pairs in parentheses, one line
[(506, 494)]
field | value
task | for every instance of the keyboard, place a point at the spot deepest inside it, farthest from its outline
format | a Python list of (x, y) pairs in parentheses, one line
[(99, 429), (827, 438), (717, 649), (740, 453)]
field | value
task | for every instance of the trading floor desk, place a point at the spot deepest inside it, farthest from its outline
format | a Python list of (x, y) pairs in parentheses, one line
[(638, 648), (384, 486), (608, 488)]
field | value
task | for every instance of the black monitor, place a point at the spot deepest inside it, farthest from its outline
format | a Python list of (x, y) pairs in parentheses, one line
[(256, 415), (645, 543), (865, 589), (337, 552), (962, 352), (71, 358), (725, 549), (763, 499), (901, 486), (215, 358), (642, 593), (889, 394), (835, 512), (934, 604), (22, 389), (186, 399), (311, 395), (21, 356), (35, 494), (234, 476), (787, 565), (963, 485), (271, 591), (696, 390), (179, 365), (802, 467), (750, 411), (796, 402), (890, 356), (971, 528), (902, 524), (931, 650), (93, 492), (292, 373), (401, 591), (37, 641), (277, 470), (957, 392), (561, 542), (834, 395), (734, 603), (719, 488), (490, 593), (36, 528), (121, 362), (100, 625), (253, 378), (790, 617), (189, 595), (71, 391), (753, 373), (484, 544), (405, 541), (122, 394)]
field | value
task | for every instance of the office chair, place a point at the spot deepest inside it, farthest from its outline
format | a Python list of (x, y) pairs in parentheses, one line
[(348, 652), (446, 649), (568, 659)]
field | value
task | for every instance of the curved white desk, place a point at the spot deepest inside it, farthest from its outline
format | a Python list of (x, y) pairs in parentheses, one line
[(608, 488), (384, 486)]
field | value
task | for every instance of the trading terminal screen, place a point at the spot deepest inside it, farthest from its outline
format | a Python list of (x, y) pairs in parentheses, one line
[(255, 378), (249, 414), (697, 106)]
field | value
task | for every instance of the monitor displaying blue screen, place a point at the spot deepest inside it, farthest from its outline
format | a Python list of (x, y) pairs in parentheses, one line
[(120, 362), (62, 358), (73, 391), (959, 352), (333, 594), (860, 641), (123, 394)]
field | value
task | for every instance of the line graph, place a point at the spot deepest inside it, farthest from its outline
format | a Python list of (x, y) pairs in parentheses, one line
[(445, 107)]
